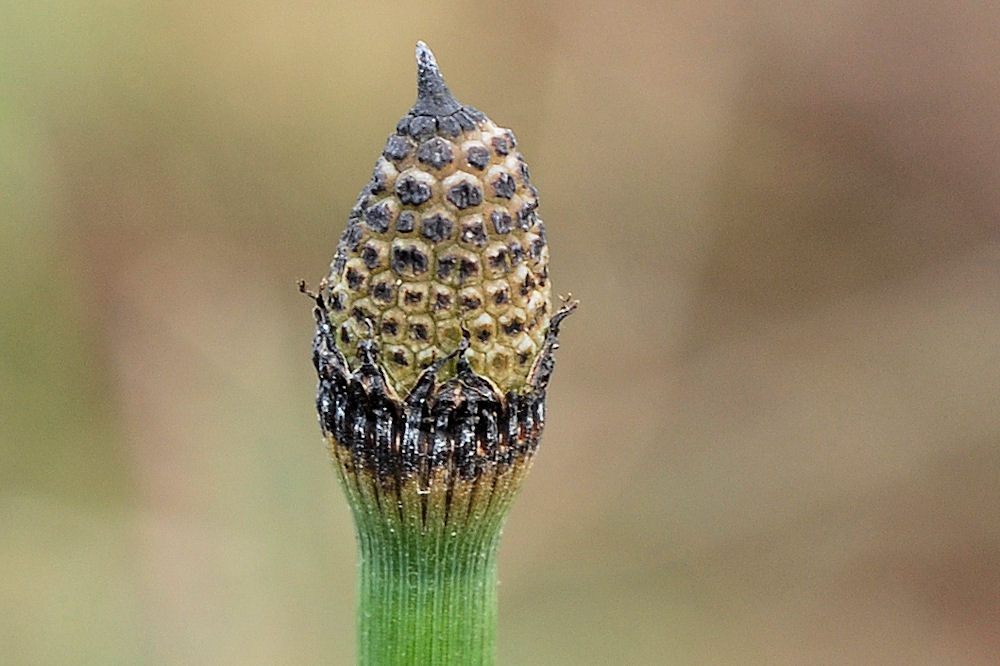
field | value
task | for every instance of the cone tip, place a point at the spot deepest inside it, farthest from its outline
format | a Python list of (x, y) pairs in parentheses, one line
[(433, 96)]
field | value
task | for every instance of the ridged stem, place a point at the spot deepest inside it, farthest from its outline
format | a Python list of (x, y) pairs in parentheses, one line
[(426, 599), (428, 564)]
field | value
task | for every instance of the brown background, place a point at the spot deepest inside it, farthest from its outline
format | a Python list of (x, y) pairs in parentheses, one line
[(773, 433)]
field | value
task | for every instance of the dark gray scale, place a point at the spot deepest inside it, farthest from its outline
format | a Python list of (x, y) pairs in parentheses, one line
[(445, 266), (522, 168), (352, 236), (411, 191), (467, 117), (504, 185), (502, 297), (501, 221), (361, 315), (469, 302), (390, 327), (382, 291), (339, 259), (354, 278), (397, 147), (465, 195), (419, 332), (467, 268), (421, 262), (364, 200), (412, 297), (536, 248), (370, 256), (465, 121), (377, 184), (513, 327), (529, 284), (516, 253), (435, 152), (408, 257), (442, 301), (449, 126), (422, 127), (405, 222), (500, 146), (399, 358), (526, 216), (436, 228), (378, 217), (337, 301), (478, 157), (498, 261), (474, 233)]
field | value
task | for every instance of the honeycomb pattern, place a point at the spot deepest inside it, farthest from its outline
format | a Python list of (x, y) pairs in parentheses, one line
[(444, 238)]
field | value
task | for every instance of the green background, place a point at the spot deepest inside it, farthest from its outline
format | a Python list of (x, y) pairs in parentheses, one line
[(773, 432)]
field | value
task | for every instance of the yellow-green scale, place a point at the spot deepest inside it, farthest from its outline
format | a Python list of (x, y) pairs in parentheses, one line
[(446, 240)]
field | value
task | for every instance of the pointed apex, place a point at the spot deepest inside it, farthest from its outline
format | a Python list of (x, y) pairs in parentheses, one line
[(433, 96)]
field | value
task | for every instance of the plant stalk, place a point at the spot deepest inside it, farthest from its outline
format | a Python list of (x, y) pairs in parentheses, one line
[(434, 346), (427, 585), (426, 598)]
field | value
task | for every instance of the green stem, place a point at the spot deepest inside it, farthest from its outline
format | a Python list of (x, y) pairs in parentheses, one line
[(426, 597), (427, 590)]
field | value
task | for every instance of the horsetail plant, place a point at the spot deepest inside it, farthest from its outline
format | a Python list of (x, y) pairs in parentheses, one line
[(434, 346)]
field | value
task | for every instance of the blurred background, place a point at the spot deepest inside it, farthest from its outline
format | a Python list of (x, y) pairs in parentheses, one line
[(773, 433)]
